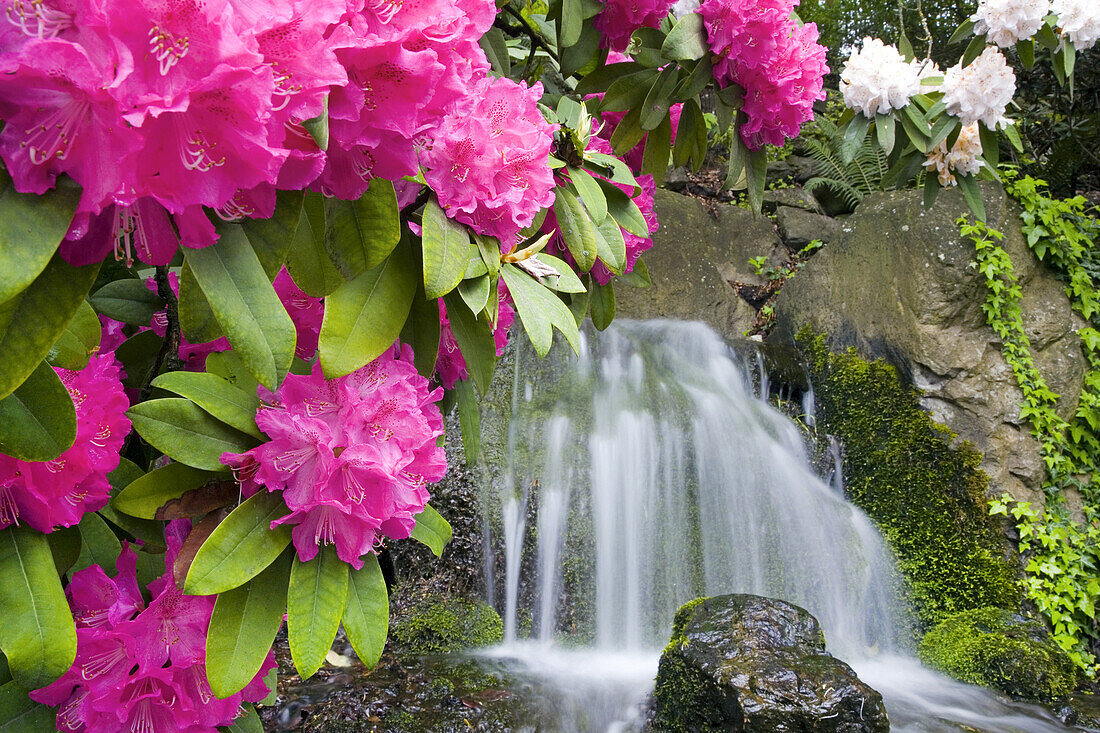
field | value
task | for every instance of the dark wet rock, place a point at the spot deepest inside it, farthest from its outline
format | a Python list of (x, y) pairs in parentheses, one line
[(1082, 710), (794, 197), (799, 227), (747, 663), (996, 648)]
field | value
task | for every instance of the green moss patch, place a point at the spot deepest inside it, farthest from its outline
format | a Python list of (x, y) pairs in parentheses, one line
[(446, 625)]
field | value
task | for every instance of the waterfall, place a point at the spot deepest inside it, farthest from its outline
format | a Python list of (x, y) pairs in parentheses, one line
[(646, 472)]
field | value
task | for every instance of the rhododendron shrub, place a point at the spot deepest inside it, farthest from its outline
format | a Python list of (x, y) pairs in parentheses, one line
[(282, 240)]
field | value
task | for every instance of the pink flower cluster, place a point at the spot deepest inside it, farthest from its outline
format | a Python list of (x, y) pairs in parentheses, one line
[(141, 667), (777, 61), (162, 109), (352, 456), (620, 18), (306, 311), (450, 364), (57, 493)]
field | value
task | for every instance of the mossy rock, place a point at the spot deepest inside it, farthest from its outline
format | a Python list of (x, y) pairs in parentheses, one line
[(996, 648), (440, 625), (926, 495)]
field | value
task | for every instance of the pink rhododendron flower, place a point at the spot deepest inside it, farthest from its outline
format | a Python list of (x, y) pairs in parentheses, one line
[(778, 63), (352, 456), (58, 493), (620, 18), (488, 161), (450, 365), (306, 311), (141, 667)]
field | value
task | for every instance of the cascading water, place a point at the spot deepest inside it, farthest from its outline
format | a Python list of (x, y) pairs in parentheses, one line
[(647, 473)]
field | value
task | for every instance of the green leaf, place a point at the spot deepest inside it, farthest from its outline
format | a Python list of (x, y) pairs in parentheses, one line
[(243, 627), (603, 76), (931, 190), (581, 53), (360, 234), (973, 49), (182, 430), (658, 147), (687, 41), (20, 714), (432, 530), (853, 137), (37, 420), (566, 281), (447, 249), (623, 210), (1047, 37), (628, 92), (367, 611), (991, 145), (78, 341), (98, 544), (659, 99), (475, 341), (308, 261), (577, 230), (65, 545), (364, 316), (637, 277), (38, 635), (475, 293), (610, 246), (602, 305), (591, 194), (314, 606), (757, 170), (317, 127), (961, 32), (138, 354), (495, 47), (684, 147), (884, 132), (250, 723), (227, 365), (245, 305), (539, 310), (271, 238), (31, 228), (241, 546), (32, 321), (628, 133), (973, 195), (469, 420), (143, 496), (690, 87), (197, 321), (1025, 49), (421, 332), (223, 400), (570, 23), (127, 300)]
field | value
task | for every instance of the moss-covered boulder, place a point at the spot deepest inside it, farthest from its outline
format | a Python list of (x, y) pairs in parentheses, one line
[(747, 663), (441, 625), (925, 494), (999, 649)]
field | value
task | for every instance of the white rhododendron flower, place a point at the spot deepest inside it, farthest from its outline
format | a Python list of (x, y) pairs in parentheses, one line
[(1006, 21), (1079, 21), (961, 159), (877, 79), (682, 8), (980, 91)]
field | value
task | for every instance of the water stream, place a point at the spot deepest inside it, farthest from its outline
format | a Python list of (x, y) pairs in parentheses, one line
[(648, 472)]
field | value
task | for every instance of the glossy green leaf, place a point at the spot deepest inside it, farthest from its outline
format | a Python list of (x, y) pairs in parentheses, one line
[(973, 195), (658, 148), (577, 230), (611, 246), (603, 76), (127, 300), (65, 544), (602, 305), (314, 606), (583, 52), (628, 133), (197, 321), (687, 41), (317, 127), (367, 611), (884, 132), (638, 277), (78, 341), (364, 316), (432, 530), (628, 92), (962, 32), (271, 238), (854, 135), (539, 310), (20, 714), (447, 250), (495, 47), (38, 635), (308, 262), (475, 341), (469, 420), (218, 396), (360, 234), (37, 420), (98, 544), (182, 430), (591, 194), (149, 492), (228, 366), (623, 210), (756, 169), (570, 23), (245, 304), (32, 321), (658, 100), (241, 546), (691, 85), (243, 627), (566, 281), (250, 723), (31, 228), (475, 293), (137, 355), (421, 332)]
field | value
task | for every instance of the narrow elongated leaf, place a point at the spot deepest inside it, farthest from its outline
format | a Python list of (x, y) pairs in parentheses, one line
[(469, 420), (756, 169), (314, 606), (218, 396), (628, 133), (566, 281), (682, 149), (31, 228), (577, 229), (583, 52), (569, 27), (308, 261), (611, 246), (421, 331), (591, 194), (98, 544), (623, 210), (628, 92), (197, 321), (250, 723), (495, 47), (696, 81), (447, 250), (659, 99), (854, 135), (243, 627), (658, 147), (364, 316), (127, 300), (78, 341), (149, 492), (32, 320), (540, 310), (317, 127), (367, 611), (20, 714), (973, 195), (360, 234), (227, 365), (687, 41), (241, 547), (185, 432), (603, 76), (884, 132), (38, 635), (271, 238), (37, 420), (245, 305), (961, 32), (432, 530), (475, 341), (638, 277), (475, 293), (602, 305)]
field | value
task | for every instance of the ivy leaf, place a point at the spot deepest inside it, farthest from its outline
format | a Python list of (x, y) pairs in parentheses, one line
[(31, 228), (432, 530), (37, 420), (367, 611), (315, 604), (360, 234)]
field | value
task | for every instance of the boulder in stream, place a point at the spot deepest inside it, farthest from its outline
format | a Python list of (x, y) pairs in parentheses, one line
[(747, 663)]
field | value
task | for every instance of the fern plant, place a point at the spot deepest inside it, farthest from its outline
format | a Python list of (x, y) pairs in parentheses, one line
[(847, 182)]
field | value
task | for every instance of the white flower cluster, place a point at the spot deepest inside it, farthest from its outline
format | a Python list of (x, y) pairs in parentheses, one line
[(1006, 21), (980, 91), (877, 79), (684, 8), (1079, 21), (961, 159)]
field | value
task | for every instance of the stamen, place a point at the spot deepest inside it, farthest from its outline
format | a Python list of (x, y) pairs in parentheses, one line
[(102, 663), (235, 209), (36, 19), (166, 49), (9, 510), (326, 529), (53, 138)]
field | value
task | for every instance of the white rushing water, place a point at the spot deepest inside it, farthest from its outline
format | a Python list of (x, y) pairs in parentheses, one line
[(647, 472)]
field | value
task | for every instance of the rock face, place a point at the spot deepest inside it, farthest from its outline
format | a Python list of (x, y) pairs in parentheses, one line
[(746, 663), (897, 283)]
